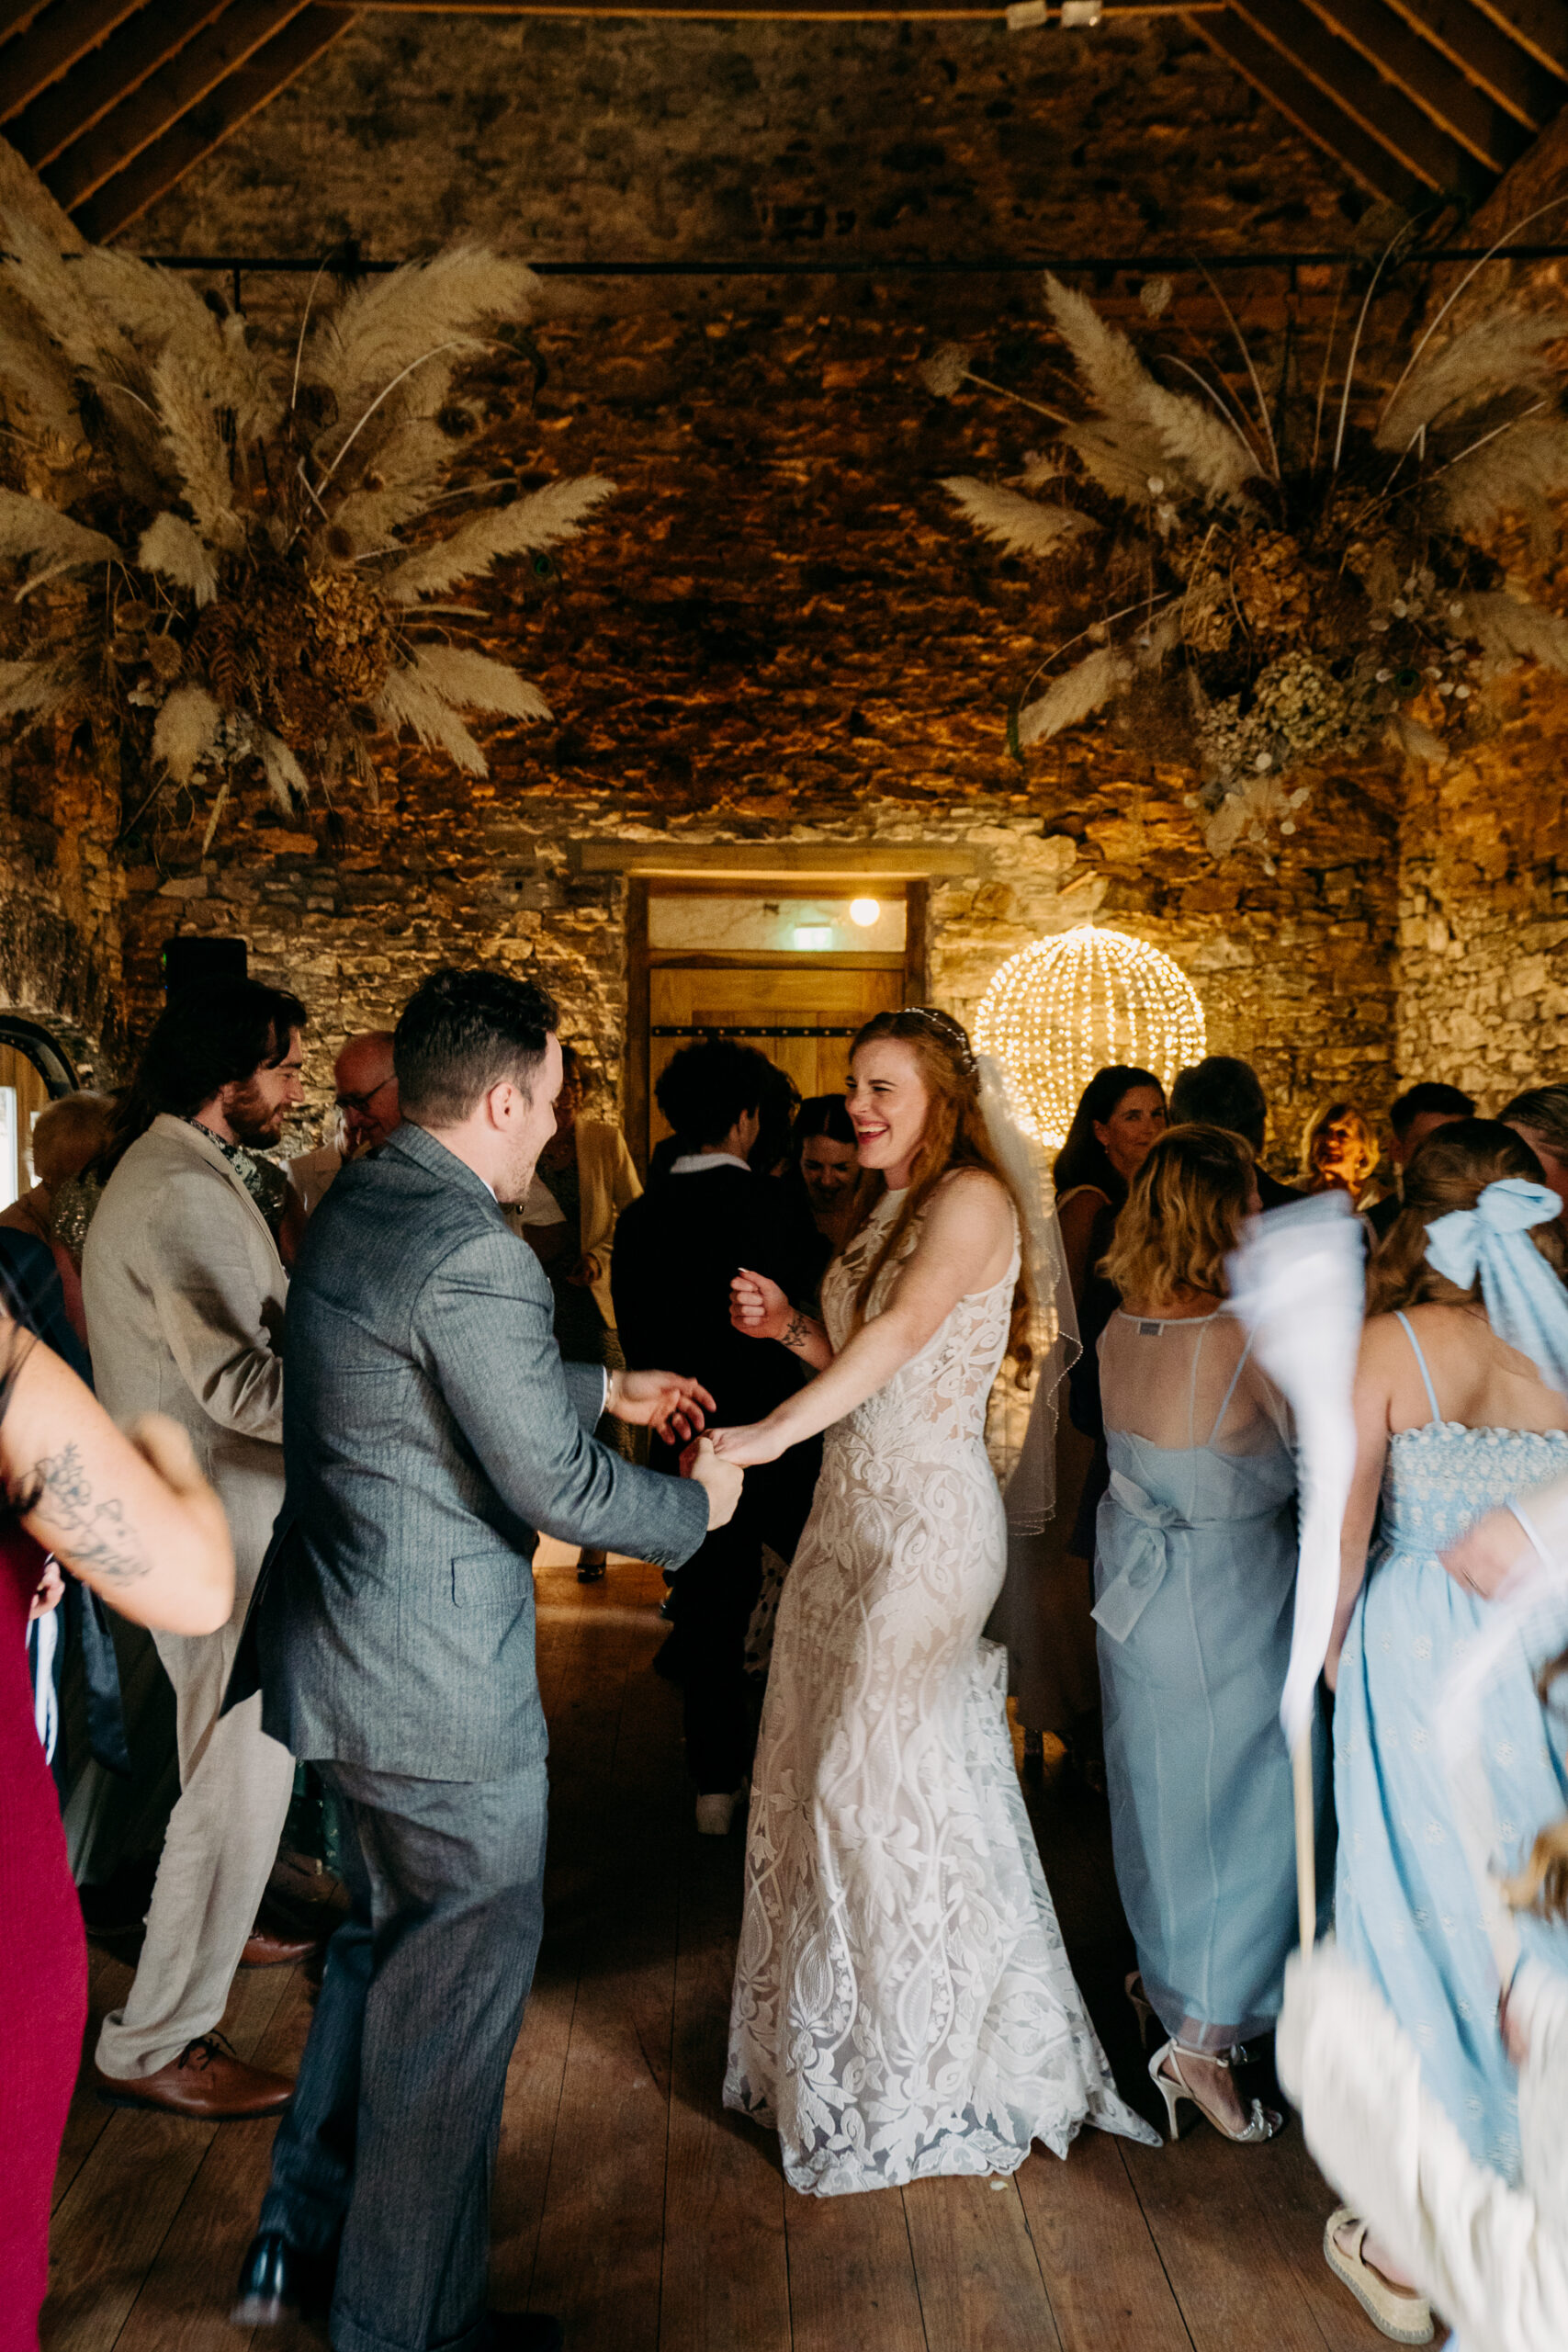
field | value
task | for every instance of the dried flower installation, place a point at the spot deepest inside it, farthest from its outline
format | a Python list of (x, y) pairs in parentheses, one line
[(228, 559), (1271, 581)]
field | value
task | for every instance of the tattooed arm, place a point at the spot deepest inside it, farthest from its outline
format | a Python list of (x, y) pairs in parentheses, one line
[(131, 1516), (759, 1308)]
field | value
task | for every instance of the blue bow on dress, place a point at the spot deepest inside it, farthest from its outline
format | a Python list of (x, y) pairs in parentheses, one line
[(1145, 1559), (1526, 1303)]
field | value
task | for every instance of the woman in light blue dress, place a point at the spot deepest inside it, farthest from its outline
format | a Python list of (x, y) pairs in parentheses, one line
[(1460, 1406), (1195, 1580)]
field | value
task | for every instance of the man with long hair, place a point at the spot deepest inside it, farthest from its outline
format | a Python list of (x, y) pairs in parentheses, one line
[(183, 1289)]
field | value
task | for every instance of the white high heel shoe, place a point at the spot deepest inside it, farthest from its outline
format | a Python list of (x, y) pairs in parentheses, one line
[(1173, 2086)]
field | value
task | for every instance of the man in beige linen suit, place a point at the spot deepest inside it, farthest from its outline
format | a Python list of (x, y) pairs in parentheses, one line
[(185, 1291)]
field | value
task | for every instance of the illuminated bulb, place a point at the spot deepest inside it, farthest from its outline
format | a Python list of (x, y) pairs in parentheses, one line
[(1061, 1009), (864, 912)]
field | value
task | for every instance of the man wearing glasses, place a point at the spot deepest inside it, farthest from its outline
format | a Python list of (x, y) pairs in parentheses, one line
[(367, 1111)]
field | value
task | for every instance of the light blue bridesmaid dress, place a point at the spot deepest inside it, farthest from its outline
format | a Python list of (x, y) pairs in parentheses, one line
[(1195, 1569), (1406, 1907)]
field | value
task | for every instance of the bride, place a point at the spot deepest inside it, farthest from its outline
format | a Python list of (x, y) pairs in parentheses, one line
[(903, 2005)]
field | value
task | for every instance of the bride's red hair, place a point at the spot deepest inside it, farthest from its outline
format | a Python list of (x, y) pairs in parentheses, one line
[(954, 1135)]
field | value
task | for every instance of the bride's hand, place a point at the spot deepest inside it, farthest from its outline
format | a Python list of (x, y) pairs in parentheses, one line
[(758, 1307), (762, 1442)]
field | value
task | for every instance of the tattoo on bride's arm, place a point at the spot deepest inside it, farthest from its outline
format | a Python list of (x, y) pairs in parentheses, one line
[(94, 1535), (797, 1330)]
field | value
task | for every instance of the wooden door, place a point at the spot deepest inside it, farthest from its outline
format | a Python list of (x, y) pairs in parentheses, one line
[(801, 1014)]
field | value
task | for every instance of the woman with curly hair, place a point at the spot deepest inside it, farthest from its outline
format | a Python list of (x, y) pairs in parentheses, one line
[(1339, 1152)]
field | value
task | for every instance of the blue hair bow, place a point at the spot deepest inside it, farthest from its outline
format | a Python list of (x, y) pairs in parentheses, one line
[(1526, 1304)]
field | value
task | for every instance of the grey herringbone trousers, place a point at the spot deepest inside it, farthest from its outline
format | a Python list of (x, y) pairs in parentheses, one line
[(390, 2140)]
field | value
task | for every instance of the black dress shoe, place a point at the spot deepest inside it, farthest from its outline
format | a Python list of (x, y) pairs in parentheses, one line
[(524, 2332), (277, 2283)]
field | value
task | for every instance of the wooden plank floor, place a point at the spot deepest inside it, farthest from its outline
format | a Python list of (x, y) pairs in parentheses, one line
[(628, 2202)]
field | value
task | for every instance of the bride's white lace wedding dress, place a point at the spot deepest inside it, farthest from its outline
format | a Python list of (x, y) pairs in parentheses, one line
[(903, 2004)]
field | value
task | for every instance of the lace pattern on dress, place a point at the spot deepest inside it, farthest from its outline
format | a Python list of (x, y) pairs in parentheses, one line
[(903, 2003)]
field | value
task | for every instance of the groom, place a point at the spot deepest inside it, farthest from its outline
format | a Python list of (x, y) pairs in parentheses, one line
[(430, 1428)]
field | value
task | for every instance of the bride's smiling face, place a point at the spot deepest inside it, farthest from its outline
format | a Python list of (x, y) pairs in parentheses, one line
[(888, 1102)]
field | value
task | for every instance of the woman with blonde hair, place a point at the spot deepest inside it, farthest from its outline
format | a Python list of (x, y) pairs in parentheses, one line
[(1340, 1151), (1461, 1404), (1195, 1579), (903, 2005)]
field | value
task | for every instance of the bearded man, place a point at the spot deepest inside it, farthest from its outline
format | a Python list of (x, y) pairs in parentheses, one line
[(183, 1289)]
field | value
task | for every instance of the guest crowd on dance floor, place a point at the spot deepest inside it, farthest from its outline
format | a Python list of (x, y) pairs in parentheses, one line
[(279, 1438)]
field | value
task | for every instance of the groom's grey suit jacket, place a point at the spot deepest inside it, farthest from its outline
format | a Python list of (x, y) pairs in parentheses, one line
[(430, 1433)]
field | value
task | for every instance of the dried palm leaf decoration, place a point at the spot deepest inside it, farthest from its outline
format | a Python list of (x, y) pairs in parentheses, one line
[(230, 555), (1272, 580)]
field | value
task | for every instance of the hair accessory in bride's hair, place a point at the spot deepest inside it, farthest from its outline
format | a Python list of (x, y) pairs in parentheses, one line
[(952, 1033)]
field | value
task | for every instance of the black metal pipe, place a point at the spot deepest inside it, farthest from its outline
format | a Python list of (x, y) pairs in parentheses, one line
[(1106, 263)]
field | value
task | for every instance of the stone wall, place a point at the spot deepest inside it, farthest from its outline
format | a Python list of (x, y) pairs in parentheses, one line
[(614, 139), (60, 895), (1484, 908), (778, 629)]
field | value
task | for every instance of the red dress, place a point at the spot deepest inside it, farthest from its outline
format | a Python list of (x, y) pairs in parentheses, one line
[(43, 1967)]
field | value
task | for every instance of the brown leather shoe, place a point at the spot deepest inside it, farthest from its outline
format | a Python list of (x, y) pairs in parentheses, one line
[(265, 1948), (206, 2081)]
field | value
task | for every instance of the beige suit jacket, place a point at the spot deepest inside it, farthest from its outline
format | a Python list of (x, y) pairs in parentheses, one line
[(185, 1293), (607, 1180)]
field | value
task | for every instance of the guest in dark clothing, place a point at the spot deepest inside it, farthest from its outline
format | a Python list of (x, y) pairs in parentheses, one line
[(1419, 1112), (677, 1250), (1223, 1092)]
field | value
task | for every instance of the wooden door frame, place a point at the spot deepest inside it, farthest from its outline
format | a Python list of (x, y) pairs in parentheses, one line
[(642, 959)]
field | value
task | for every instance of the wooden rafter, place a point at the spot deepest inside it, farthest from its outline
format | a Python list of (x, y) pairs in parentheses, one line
[(1303, 102), (1422, 74), (53, 47), (192, 76), (109, 76), (1343, 76), (1539, 26), (16, 16), (239, 95), (1487, 56)]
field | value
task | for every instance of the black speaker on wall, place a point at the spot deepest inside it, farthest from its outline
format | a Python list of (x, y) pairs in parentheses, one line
[(193, 961)]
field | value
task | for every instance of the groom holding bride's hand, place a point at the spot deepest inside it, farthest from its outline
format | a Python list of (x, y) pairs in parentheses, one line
[(431, 1431)]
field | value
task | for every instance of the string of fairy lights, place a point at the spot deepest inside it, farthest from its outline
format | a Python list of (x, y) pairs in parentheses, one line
[(1064, 1007)]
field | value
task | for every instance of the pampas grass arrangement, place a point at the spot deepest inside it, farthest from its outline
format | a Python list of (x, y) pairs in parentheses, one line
[(229, 556), (1272, 579)]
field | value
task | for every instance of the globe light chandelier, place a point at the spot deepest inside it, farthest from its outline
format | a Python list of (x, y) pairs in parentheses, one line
[(1064, 1007)]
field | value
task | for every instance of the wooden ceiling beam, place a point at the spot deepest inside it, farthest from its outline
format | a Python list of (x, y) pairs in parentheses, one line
[(109, 76), (191, 75), (1539, 26), (241, 93), (1427, 79), (1485, 55), (16, 16), (1344, 77), (52, 47), (831, 12), (1304, 104)]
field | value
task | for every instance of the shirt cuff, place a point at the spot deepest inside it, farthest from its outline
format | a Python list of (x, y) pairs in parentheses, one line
[(605, 1400)]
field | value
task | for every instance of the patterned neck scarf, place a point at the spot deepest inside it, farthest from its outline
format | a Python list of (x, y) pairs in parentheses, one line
[(262, 1179)]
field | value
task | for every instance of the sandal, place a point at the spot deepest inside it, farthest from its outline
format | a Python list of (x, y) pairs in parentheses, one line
[(1261, 2125), (1404, 2317)]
